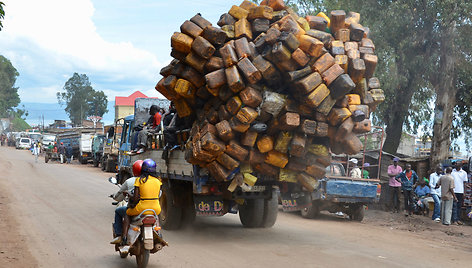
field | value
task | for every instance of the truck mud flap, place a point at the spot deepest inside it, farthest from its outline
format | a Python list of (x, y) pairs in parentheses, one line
[(209, 205), (295, 201)]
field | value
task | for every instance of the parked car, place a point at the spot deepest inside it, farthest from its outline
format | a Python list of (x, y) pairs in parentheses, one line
[(23, 143)]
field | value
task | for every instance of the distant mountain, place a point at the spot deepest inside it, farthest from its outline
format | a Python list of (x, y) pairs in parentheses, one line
[(54, 111)]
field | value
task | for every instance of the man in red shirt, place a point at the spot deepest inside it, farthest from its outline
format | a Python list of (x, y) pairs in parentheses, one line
[(153, 124)]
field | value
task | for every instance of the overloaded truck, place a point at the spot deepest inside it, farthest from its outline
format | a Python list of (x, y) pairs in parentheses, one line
[(269, 94), (188, 190)]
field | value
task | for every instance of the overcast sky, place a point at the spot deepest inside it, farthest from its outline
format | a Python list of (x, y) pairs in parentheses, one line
[(120, 45)]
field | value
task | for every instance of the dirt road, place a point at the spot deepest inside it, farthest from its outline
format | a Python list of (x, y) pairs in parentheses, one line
[(54, 215)]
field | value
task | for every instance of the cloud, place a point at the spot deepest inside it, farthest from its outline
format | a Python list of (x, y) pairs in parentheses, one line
[(47, 41)]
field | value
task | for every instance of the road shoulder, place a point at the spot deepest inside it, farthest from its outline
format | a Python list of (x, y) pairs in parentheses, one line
[(14, 251)]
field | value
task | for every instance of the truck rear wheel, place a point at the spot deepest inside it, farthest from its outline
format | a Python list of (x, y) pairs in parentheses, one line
[(251, 213), (271, 208), (103, 164), (171, 216), (356, 212), (311, 212), (110, 165)]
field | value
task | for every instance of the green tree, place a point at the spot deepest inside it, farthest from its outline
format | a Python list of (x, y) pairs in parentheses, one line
[(8, 92), (81, 100), (2, 14)]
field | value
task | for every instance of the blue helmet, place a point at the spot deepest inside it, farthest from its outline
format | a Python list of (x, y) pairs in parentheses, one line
[(148, 167)]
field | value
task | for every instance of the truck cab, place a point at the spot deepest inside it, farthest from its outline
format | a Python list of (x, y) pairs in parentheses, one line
[(97, 149), (188, 190)]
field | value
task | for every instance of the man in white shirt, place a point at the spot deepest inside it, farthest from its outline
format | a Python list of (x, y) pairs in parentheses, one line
[(355, 171), (436, 193), (460, 176)]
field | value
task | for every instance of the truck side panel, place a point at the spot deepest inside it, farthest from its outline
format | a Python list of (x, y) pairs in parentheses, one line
[(177, 163), (343, 188)]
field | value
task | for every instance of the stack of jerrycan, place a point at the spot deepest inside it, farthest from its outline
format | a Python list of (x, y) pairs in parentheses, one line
[(272, 94)]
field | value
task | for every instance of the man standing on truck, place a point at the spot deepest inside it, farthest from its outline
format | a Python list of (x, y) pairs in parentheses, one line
[(436, 193), (394, 185), (447, 196), (460, 176), (152, 124), (408, 179), (355, 171)]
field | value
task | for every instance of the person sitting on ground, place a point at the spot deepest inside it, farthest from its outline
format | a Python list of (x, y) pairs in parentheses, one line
[(152, 125), (365, 172), (146, 195), (408, 179), (126, 188), (355, 171), (423, 191)]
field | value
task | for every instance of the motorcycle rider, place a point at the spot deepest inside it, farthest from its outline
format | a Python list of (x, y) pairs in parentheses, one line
[(146, 195), (120, 212)]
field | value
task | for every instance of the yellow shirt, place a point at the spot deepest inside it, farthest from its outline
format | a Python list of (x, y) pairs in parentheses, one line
[(149, 196)]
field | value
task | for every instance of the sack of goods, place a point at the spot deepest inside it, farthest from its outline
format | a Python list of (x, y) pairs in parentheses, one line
[(272, 94)]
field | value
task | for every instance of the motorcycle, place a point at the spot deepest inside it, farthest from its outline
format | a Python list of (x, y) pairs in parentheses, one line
[(144, 235)]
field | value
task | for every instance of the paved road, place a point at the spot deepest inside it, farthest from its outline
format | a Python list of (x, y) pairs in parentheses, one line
[(64, 213)]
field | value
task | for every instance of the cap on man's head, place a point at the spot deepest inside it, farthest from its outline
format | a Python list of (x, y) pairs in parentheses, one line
[(396, 159), (366, 165), (353, 160)]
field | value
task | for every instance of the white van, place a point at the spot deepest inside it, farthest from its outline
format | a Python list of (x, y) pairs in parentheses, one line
[(23, 143)]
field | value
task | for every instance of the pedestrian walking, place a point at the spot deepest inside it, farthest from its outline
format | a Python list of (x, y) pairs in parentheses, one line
[(68, 153), (436, 193), (394, 185), (36, 152), (408, 179), (446, 182), (460, 176), (62, 152)]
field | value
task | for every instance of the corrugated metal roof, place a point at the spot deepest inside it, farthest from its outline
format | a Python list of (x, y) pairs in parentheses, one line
[(129, 101)]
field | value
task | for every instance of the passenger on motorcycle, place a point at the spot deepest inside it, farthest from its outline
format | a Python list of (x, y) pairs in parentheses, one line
[(120, 212), (146, 194)]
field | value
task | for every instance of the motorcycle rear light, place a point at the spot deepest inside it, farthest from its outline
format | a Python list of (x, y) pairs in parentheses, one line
[(149, 220), (135, 229), (157, 228), (214, 189)]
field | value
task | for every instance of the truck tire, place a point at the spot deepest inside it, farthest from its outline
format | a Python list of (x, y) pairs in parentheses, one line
[(311, 212), (251, 213), (109, 166), (103, 164), (356, 212), (271, 208), (171, 215), (188, 211)]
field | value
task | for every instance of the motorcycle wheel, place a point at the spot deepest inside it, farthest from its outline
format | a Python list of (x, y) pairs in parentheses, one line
[(142, 259)]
